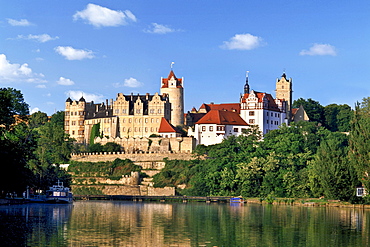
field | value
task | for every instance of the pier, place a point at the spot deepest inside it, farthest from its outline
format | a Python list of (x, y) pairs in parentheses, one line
[(184, 199)]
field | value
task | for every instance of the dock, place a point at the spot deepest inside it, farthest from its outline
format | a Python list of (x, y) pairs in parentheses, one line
[(184, 199)]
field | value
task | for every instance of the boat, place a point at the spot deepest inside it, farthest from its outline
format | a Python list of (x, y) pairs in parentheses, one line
[(236, 200), (59, 194)]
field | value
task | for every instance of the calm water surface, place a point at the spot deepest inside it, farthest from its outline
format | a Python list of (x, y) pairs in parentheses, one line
[(107, 223)]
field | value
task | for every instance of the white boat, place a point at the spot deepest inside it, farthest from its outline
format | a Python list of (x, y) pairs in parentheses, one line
[(59, 194)]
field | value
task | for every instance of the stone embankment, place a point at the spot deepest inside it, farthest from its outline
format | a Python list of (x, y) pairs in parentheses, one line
[(135, 156)]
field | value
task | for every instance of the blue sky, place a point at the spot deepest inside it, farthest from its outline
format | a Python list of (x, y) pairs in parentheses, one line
[(54, 49)]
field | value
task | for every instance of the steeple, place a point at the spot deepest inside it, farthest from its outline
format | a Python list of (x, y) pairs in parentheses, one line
[(246, 86)]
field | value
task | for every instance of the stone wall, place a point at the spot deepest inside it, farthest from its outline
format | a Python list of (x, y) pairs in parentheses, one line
[(137, 156), (134, 190), (152, 144)]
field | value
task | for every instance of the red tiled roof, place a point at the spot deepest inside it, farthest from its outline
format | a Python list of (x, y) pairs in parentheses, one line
[(170, 75), (234, 107), (271, 104), (166, 127), (222, 117)]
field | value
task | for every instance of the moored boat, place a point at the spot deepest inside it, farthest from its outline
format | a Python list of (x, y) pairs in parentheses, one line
[(59, 194), (236, 200)]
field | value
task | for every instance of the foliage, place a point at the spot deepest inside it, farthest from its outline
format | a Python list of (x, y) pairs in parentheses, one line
[(112, 147), (331, 174), (117, 168), (11, 104), (314, 109), (37, 119), (359, 138), (95, 132), (338, 117)]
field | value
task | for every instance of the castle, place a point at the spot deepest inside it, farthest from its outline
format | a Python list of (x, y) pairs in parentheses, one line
[(130, 118), (129, 115)]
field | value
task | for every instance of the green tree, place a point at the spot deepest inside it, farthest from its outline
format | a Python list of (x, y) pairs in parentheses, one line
[(53, 148), (111, 147), (338, 117), (37, 119), (331, 174), (11, 104), (359, 140), (314, 109)]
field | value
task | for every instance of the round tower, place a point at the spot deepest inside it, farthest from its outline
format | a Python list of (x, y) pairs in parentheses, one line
[(173, 87)]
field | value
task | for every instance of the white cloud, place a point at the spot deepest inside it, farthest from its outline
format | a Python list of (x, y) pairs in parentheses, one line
[(22, 22), (131, 82), (99, 16), (74, 54), (65, 82), (76, 95), (17, 72), (41, 86), (319, 50), (42, 38), (159, 29), (243, 42), (33, 110)]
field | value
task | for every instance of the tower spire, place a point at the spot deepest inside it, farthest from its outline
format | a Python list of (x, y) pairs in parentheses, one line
[(246, 86)]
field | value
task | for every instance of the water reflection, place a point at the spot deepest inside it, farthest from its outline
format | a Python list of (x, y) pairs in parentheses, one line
[(34, 225), (157, 224)]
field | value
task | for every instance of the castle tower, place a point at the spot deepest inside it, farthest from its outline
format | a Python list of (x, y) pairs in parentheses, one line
[(284, 91), (246, 86), (74, 119), (173, 87)]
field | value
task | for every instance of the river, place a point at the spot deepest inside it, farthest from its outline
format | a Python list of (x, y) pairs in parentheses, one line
[(122, 223)]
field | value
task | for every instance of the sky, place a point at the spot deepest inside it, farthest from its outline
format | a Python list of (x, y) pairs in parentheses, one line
[(52, 50)]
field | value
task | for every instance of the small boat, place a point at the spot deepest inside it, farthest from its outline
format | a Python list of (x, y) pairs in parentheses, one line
[(236, 200), (59, 194)]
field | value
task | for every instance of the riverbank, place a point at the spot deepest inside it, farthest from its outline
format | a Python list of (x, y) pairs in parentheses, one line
[(306, 202)]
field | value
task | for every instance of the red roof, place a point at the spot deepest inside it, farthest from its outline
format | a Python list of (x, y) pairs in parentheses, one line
[(222, 117), (234, 107), (170, 75), (271, 104), (166, 127)]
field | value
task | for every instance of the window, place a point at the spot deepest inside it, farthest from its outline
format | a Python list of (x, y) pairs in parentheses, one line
[(220, 128), (73, 122), (146, 120), (138, 111), (123, 129), (80, 132), (203, 128), (210, 128), (146, 129), (73, 132), (81, 123), (130, 120), (251, 121), (251, 113), (159, 111), (151, 111), (267, 121), (124, 111), (66, 123), (67, 113), (235, 129), (116, 111)]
